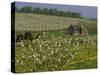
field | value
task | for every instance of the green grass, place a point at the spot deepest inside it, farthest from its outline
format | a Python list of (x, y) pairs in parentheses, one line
[(84, 59), (52, 53), (54, 50)]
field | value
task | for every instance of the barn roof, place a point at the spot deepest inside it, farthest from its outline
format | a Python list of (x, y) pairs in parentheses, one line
[(76, 27)]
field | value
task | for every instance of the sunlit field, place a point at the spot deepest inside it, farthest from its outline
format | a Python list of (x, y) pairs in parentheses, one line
[(50, 48)]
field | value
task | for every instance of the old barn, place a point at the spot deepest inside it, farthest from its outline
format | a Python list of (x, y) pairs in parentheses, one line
[(77, 30)]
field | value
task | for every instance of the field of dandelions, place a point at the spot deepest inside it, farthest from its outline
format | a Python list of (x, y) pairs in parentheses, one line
[(53, 52)]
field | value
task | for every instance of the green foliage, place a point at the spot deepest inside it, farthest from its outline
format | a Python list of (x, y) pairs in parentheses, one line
[(25, 9), (55, 53), (47, 11)]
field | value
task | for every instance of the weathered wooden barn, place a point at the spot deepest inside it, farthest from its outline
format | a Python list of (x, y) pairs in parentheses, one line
[(77, 30)]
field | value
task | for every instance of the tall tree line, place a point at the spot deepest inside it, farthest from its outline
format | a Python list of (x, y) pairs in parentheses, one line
[(47, 11)]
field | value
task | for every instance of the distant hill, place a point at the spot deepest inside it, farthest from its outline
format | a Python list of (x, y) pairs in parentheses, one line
[(38, 22)]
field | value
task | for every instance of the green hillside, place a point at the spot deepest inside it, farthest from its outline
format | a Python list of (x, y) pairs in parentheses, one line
[(37, 22)]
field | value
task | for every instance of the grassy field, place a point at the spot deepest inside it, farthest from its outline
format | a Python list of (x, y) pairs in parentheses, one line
[(54, 50), (37, 22)]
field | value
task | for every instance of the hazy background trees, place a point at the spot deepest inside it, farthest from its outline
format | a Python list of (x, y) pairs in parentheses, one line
[(48, 11)]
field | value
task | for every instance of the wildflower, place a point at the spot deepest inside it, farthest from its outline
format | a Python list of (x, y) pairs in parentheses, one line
[(66, 49), (34, 55), (22, 63), (52, 52), (52, 35), (17, 61), (44, 57), (23, 56), (30, 56), (40, 45)]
